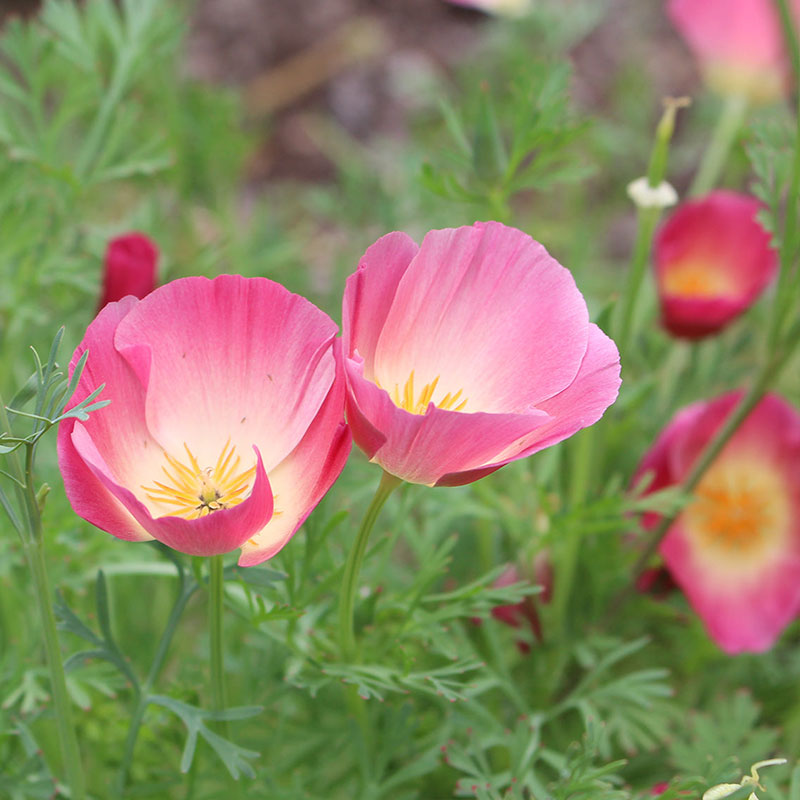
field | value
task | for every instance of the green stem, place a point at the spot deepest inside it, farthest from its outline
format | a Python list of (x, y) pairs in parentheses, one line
[(352, 568), (33, 545), (582, 450), (646, 225), (722, 139), (142, 699), (216, 591), (786, 290), (34, 550)]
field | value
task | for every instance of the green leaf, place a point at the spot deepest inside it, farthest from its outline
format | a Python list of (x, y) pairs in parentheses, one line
[(236, 759)]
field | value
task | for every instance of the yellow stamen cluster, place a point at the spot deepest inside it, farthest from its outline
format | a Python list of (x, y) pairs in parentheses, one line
[(415, 403), (734, 511), (695, 280), (194, 491)]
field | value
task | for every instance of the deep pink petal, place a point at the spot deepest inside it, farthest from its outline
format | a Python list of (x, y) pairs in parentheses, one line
[(422, 448), (216, 533), (712, 260), (745, 615), (118, 429), (659, 463), (229, 359), (301, 480), (88, 496), (739, 44), (581, 404), (369, 293), (487, 311)]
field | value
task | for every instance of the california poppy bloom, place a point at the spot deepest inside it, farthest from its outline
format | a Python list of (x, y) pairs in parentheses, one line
[(739, 44), (712, 261), (225, 426), (468, 352), (735, 549), (129, 267)]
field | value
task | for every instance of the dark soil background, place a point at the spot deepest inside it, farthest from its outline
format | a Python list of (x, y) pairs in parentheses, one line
[(358, 60)]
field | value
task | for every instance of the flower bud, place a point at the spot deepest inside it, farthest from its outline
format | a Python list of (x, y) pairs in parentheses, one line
[(129, 269)]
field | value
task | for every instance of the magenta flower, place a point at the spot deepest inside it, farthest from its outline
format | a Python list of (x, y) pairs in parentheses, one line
[(712, 261), (739, 44), (468, 352), (130, 268), (225, 426), (735, 549)]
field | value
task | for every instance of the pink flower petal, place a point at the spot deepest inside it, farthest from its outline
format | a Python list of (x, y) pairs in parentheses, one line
[(369, 293), (738, 43), (120, 429), (213, 534), (422, 448), (301, 480), (581, 404), (205, 350), (509, 318), (741, 615)]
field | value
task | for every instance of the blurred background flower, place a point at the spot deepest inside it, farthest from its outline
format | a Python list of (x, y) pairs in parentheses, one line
[(735, 549), (739, 44), (712, 261), (130, 267)]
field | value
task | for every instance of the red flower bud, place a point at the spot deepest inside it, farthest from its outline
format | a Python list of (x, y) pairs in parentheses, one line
[(130, 268)]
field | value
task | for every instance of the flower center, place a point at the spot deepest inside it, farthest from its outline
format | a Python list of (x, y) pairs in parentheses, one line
[(417, 403), (694, 280), (737, 509), (193, 491)]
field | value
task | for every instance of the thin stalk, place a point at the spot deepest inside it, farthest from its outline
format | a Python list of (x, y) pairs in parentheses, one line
[(647, 220), (786, 291), (352, 568), (142, 697), (648, 216), (582, 450), (216, 591), (722, 139), (34, 550), (33, 545)]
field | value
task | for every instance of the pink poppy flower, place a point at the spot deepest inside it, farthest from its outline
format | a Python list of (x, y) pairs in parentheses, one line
[(130, 268), (712, 261), (739, 44), (735, 549), (468, 352), (225, 426)]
